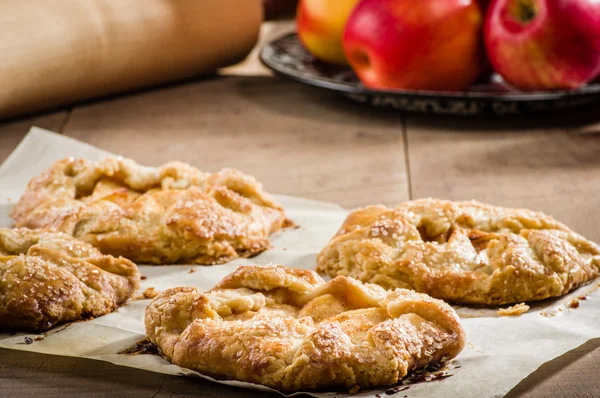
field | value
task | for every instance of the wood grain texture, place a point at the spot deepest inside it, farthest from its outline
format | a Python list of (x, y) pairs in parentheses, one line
[(297, 140), (24, 374), (12, 132), (551, 164)]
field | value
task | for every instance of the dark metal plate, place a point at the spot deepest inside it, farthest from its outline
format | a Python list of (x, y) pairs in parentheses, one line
[(288, 58)]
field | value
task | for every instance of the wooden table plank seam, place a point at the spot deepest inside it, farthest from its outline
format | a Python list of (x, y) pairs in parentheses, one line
[(407, 155)]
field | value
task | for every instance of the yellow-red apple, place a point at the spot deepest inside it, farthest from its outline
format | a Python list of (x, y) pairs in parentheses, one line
[(320, 26), (419, 45), (544, 44)]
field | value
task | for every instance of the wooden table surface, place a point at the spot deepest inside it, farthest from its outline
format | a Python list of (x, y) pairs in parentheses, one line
[(305, 142)]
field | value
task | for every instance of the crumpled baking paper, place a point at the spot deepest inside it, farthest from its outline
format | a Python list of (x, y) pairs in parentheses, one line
[(501, 351)]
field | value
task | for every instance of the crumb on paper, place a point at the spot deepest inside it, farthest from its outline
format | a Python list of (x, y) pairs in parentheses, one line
[(582, 298), (515, 310), (471, 346), (396, 390), (547, 314), (574, 304), (150, 293), (192, 271), (143, 277), (354, 390)]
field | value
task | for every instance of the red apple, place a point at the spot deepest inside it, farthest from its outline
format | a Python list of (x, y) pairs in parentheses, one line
[(420, 45), (544, 44)]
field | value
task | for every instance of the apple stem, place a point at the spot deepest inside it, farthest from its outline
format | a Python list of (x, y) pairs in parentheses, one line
[(525, 11)]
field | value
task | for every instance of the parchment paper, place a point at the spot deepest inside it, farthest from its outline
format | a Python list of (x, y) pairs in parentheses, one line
[(501, 351)]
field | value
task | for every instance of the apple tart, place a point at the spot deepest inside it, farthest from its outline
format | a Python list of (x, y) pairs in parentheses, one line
[(289, 330), (165, 215), (462, 252), (47, 278)]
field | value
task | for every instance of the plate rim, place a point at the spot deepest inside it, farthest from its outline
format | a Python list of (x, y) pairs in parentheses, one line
[(325, 83)]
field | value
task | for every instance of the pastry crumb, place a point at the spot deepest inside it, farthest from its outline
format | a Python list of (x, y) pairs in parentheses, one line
[(515, 310), (574, 304), (354, 390), (142, 277), (192, 271), (150, 293)]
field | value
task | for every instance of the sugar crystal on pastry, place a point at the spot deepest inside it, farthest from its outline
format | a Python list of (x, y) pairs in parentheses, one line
[(463, 252), (47, 278), (156, 215)]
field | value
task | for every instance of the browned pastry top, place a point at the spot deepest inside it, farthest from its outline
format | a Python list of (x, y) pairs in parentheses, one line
[(288, 329), (47, 278), (165, 215), (463, 252)]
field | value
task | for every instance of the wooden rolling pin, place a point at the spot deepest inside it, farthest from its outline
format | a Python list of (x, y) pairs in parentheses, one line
[(56, 52)]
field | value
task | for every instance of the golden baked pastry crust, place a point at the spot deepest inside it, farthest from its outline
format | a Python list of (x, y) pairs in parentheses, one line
[(47, 278), (462, 252), (165, 215), (289, 330)]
